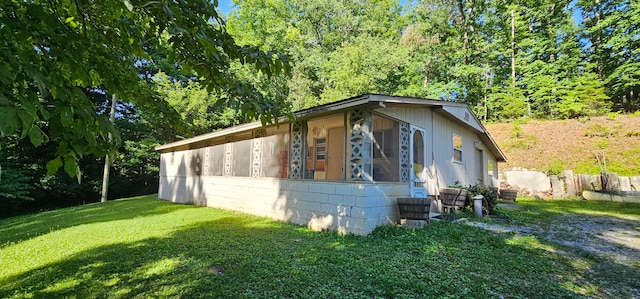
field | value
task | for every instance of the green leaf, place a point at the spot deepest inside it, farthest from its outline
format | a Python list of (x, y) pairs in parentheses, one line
[(66, 117), (36, 136), (90, 138), (54, 165), (27, 122), (10, 122), (70, 165), (4, 101), (128, 5)]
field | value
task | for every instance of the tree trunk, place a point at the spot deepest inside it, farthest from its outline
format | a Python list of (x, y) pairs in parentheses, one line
[(107, 163), (513, 49)]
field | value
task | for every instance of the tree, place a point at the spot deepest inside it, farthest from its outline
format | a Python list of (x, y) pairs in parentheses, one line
[(333, 45), (55, 52)]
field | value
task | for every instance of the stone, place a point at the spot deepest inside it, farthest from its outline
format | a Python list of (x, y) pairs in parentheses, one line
[(612, 182), (532, 181), (569, 183), (624, 183), (584, 183), (596, 181), (541, 195), (635, 183), (558, 187)]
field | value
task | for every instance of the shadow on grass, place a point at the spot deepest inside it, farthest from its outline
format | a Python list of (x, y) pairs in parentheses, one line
[(241, 257), (22, 228)]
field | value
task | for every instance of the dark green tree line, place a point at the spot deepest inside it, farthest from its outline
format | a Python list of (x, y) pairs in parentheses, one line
[(506, 58)]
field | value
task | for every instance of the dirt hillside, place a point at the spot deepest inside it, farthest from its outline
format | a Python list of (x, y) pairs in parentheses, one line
[(556, 145)]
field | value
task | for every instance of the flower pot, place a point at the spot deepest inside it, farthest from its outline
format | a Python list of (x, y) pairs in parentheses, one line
[(453, 197), (508, 194), (413, 208)]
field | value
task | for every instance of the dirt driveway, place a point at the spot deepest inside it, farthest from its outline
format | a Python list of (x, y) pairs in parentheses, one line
[(610, 245)]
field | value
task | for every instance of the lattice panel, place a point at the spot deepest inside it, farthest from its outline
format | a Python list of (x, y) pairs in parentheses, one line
[(405, 167), (189, 170), (207, 161), (360, 145), (255, 163), (297, 146), (228, 158)]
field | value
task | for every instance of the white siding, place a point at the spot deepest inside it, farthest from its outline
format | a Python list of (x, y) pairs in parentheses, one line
[(464, 115), (440, 130)]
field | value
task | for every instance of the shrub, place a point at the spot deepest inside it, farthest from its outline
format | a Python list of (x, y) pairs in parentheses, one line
[(525, 143), (490, 195), (597, 130), (556, 167), (517, 131), (633, 133), (612, 115)]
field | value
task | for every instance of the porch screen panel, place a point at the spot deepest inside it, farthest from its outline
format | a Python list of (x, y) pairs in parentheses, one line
[(386, 149), (325, 158), (275, 152), (242, 158), (196, 159), (216, 160)]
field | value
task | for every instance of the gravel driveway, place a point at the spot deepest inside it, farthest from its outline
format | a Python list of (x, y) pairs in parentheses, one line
[(615, 241)]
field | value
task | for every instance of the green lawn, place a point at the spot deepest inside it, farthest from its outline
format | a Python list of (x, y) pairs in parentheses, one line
[(143, 247), (540, 212)]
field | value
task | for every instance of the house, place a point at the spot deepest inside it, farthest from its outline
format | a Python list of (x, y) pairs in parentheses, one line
[(339, 166)]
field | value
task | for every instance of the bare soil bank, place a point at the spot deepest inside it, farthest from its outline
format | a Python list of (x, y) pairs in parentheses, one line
[(556, 145)]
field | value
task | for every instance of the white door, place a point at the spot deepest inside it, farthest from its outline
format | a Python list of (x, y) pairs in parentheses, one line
[(418, 154)]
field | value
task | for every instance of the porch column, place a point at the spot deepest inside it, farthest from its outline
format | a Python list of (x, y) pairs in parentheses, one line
[(360, 154), (228, 158), (257, 152), (405, 167), (298, 135)]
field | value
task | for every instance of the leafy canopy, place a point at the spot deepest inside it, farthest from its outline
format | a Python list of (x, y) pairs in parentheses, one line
[(53, 53)]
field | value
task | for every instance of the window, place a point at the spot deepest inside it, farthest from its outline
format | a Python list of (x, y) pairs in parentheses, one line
[(274, 154), (321, 153), (217, 156), (242, 154), (383, 144), (386, 149), (457, 148)]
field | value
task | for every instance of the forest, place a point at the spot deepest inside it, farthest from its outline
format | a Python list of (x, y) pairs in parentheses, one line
[(180, 69)]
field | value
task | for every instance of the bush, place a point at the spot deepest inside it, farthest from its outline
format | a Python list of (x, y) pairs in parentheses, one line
[(490, 195), (597, 130)]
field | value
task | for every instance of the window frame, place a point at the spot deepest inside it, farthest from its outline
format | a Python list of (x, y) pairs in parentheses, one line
[(457, 149)]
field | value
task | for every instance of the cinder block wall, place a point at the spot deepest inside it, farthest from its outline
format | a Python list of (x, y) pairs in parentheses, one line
[(345, 207)]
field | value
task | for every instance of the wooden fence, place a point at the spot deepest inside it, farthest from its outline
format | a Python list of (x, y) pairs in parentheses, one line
[(570, 184)]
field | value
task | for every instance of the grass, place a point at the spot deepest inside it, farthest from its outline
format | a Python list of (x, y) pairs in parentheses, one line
[(142, 247), (537, 212)]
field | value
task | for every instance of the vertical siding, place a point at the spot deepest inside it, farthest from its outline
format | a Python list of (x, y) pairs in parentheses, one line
[(439, 145), (464, 115), (439, 142)]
